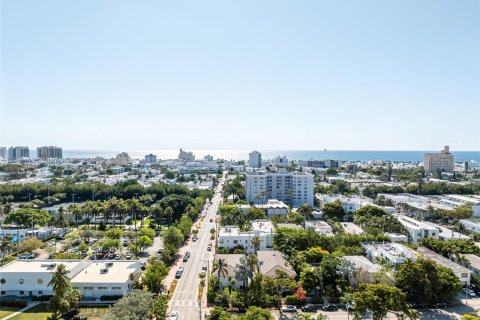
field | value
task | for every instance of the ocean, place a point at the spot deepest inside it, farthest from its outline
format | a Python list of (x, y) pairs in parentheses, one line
[(401, 156)]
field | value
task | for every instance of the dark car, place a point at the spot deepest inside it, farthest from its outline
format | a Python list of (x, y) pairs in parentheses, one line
[(440, 305), (330, 307), (178, 274), (309, 308)]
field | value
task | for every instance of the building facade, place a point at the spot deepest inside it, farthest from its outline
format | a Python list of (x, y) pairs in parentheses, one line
[(49, 152), (231, 236), (150, 159), (16, 153), (434, 162), (417, 230), (255, 159), (3, 153), (292, 188)]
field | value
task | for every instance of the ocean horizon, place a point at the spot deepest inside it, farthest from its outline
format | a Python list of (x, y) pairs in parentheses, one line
[(345, 155)]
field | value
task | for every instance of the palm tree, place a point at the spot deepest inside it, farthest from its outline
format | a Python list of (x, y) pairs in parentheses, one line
[(168, 212), (6, 245), (306, 211), (76, 211), (243, 272), (220, 267), (60, 281), (256, 243), (252, 262)]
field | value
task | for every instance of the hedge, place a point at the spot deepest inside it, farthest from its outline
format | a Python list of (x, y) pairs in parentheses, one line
[(12, 303)]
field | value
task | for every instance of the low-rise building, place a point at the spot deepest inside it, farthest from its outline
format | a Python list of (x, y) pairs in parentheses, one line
[(320, 227), (19, 234), (231, 260), (351, 228), (471, 224), (274, 207), (396, 237), (445, 233), (417, 230), (231, 236), (270, 261), (394, 253), (461, 272), (472, 262), (455, 201), (364, 270), (29, 278)]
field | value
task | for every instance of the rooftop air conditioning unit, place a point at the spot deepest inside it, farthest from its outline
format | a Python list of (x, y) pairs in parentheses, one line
[(103, 271), (109, 264)]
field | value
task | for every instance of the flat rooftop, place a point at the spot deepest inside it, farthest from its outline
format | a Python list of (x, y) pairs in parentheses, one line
[(36, 266), (118, 272), (429, 254), (351, 228)]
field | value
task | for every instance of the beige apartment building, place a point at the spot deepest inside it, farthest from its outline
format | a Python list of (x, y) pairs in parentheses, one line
[(442, 161)]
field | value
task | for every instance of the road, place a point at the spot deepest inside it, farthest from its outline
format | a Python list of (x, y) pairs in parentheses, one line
[(184, 299)]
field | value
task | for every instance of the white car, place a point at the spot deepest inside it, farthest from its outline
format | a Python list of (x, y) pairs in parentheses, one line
[(469, 292), (174, 315)]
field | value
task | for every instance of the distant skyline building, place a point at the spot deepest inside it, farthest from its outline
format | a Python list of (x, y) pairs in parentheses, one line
[(208, 158), (49, 152), (434, 162), (186, 156), (255, 159), (281, 162), (15, 153), (3, 153), (150, 159)]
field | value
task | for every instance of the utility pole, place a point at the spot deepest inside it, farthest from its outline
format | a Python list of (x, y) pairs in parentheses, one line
[(73, 203)]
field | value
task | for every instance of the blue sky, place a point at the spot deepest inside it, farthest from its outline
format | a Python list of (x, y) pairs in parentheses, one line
[(344, 75)]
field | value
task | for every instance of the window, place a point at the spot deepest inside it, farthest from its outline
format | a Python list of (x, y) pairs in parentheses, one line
[(116, 288), (22, 293), (464, 275), (102, 288), (2, 293), (3, 281), (40, 293), (39, 280), (21, 281)]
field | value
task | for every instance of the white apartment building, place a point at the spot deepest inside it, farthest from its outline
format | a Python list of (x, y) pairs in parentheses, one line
[(255, 159), (443, 161), (396, 237), (417, 230), (321, 227), (472, 263), (349, 204), (395, 253), (445, 233), (471, 224), (461, 272), (28, 278), (364, 270), (454, 201), (231, 236), (292, 188), (274, 206), (150, 159)]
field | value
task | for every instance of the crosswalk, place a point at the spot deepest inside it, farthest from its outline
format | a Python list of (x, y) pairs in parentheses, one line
[(184, 303)]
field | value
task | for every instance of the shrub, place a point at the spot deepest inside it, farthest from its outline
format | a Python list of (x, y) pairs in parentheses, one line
[(334, 299), (293, 300), (109, 298), (12, 303), (41, 298), (316, 300)]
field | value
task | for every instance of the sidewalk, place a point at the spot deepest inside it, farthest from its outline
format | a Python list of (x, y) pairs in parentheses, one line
[(33, 304)]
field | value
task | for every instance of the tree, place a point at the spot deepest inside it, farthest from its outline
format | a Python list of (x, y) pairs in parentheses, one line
[(464, 211), (311, 279), (147, 231), (173, 237), (30, 244), (256, 243), (306, 211), (254, 213), (144, 241), (6, 245), (220, 267), (381, 299), (138, 305), (423, 281), (160, 307), (28, 217), (334, 210), (278, 285), (64, 298), (243, 272), (256, 313), (154, 276), (219, 314)]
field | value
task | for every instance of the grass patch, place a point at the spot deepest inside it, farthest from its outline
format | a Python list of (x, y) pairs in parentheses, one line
[(6, 311), (39, 312)]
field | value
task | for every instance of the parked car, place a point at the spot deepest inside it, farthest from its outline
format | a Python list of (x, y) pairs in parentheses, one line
[(186, 256), (289, 308), (128, 255), (118, 256), (125, 243), (469, 292), (309, 308), (330, 307), (440, 305), (111, 256), (174, 315), (209, 247), (195, 238), (178, 274)]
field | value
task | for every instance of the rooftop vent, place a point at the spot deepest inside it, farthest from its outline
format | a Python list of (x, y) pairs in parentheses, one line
[(109, 264), (103, 271)]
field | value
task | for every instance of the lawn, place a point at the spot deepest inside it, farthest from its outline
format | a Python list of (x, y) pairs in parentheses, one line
[(5, 311), (36, 313)]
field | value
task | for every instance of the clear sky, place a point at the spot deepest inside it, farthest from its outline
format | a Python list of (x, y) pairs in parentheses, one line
[(344, 75)]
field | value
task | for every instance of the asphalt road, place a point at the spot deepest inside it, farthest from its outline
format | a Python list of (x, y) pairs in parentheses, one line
[(184, 299)]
